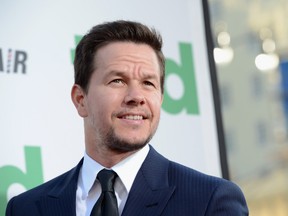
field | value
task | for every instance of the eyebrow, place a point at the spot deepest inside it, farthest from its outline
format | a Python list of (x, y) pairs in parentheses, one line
[(124, 74), (116, 73)]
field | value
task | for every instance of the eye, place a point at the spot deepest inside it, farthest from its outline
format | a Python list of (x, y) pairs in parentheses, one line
[(148, 83), (117, 81)]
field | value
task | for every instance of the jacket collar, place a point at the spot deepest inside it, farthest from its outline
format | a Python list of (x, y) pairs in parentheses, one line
[(149, 194), (150, 191), (62, 196)]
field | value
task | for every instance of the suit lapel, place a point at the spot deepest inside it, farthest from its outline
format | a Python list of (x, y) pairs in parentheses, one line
[(63, 196), (150, 191), (149, 194)]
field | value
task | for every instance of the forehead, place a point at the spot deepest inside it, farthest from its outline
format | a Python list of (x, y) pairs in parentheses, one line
[(126, 53)]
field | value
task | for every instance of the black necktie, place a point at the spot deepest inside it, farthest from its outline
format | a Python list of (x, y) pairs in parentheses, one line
[(106, 205)]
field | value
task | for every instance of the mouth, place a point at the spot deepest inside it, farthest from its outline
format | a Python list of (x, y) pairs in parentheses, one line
[(132, 116)]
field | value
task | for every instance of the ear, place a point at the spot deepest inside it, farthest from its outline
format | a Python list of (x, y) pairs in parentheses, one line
[(78, 97)]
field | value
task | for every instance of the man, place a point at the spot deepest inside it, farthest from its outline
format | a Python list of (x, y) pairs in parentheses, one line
[(118, 91)]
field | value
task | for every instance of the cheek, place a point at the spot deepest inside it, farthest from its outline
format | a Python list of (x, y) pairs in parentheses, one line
[(104, 104), (155, 104), (98, 115)]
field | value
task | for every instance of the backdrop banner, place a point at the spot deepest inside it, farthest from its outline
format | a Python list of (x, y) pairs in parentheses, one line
[(41, 133)]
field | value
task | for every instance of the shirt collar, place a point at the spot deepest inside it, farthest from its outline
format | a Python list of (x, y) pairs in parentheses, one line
[(126, 169), (89, 171)]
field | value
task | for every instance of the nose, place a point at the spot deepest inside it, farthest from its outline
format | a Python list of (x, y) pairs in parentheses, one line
[(134, 96)]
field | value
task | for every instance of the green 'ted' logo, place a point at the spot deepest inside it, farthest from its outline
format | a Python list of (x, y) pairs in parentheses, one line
[(11, 174), (185, 71)]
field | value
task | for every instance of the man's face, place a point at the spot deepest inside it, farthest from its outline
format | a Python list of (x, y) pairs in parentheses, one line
[(124, 97)]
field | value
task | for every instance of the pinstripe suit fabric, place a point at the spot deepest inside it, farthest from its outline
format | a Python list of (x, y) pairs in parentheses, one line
[(161, 187)]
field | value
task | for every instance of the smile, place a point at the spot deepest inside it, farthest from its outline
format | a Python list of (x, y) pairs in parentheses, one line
[(133, 117)]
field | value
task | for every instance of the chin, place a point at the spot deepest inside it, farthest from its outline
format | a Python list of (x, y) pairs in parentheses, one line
[(124, 147), (125, 142)]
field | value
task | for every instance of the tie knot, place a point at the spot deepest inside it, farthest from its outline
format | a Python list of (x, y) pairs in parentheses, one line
[(107, 179)]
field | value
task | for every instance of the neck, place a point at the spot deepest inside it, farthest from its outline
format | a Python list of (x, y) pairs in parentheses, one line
[(106, 157)]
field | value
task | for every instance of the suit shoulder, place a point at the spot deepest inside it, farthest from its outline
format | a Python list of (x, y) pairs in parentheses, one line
[(207, 194), (185, 175), (54, 185), (207, 188)]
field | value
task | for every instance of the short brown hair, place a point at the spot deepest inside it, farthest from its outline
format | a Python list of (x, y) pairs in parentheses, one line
[(105, 33)]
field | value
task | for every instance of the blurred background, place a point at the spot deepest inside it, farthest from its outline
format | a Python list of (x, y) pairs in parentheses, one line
[(251, 55)]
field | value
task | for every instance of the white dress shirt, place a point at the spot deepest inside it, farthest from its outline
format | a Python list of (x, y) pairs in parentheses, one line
[(89, 188)]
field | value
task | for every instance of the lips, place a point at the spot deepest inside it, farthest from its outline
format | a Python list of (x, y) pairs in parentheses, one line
[(132, 116)]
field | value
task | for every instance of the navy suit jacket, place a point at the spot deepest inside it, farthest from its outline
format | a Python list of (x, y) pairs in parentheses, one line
[(161, 187)]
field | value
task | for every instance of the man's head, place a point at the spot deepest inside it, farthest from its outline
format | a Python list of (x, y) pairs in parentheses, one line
[(118, 90), (117, 31)]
